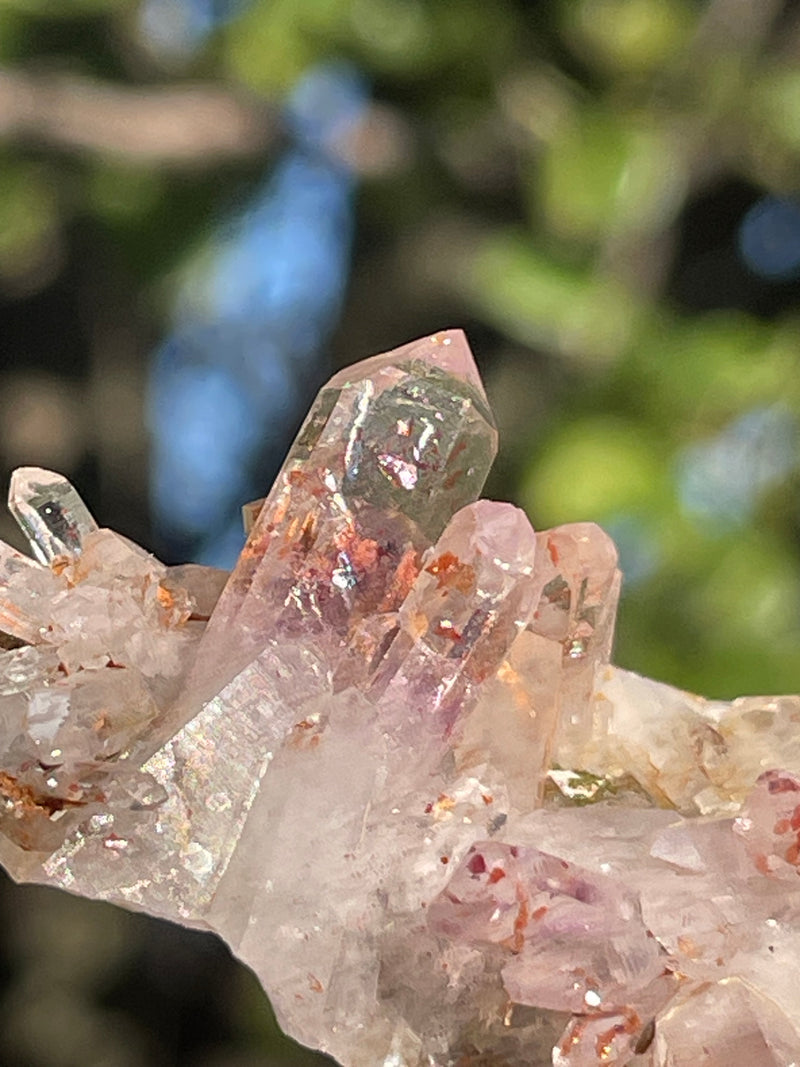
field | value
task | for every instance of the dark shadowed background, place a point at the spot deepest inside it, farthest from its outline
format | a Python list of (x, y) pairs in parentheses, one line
[(206, 206)]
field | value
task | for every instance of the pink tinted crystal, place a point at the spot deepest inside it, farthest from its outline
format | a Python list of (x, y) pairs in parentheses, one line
[(581, 584), (356, 785), (575, 940), (475, 593), (726, 1024), (390, 449)]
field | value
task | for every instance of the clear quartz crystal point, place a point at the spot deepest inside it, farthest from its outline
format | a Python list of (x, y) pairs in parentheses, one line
[(50, 513), (389, 762)]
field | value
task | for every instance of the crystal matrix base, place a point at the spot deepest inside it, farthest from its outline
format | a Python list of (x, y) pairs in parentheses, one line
[(387, 759)]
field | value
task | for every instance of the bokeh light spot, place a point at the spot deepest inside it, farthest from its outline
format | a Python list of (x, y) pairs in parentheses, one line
[(769, 238)]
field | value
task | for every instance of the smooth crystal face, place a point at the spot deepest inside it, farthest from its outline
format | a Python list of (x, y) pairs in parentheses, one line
[(388, 760)]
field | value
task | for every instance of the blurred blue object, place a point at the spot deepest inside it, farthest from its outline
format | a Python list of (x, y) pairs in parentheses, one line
[(769, 238), (179, 27), (229, 384), (723, 479), (637, 545)]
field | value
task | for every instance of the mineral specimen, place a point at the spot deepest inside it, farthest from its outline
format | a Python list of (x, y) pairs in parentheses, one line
[(389, 762)]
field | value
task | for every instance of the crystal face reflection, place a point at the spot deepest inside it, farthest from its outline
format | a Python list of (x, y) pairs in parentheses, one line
[(388, 760)]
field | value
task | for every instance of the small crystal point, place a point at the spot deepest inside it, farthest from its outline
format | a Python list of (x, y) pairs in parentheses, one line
[(250, 512), (51, 514), (473, 596)]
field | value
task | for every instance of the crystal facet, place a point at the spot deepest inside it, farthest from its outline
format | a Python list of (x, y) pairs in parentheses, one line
[(50, 513), (388, 759)]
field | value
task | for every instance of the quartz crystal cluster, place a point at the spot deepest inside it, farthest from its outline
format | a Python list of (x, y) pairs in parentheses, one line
[(388, 760)]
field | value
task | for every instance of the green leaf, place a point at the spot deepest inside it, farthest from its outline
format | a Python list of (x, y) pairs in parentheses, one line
[(774, 103), (594, 468), (627, 36), (70, 9), (541, 301), (609, 172), (29, 212)]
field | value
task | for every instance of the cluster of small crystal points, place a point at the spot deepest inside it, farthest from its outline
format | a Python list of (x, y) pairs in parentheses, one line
[(388, 761)]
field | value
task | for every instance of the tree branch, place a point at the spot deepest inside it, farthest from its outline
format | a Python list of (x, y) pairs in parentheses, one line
[(190, 125)]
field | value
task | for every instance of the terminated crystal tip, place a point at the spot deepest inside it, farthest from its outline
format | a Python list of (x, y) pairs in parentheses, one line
[(447, 350), (51, 514), (417, 432)]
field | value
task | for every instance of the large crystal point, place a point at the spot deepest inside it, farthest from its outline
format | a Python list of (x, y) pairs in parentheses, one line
[(390, 762), (51, 514), (391, 448)]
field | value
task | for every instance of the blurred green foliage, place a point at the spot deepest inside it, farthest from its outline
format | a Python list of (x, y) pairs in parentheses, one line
[(566, 178)]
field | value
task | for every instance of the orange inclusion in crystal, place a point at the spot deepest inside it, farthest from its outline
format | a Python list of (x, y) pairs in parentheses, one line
[(404, 577), (451, 573)]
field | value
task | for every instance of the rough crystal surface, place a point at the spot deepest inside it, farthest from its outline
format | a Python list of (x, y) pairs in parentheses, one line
[(388, 759)]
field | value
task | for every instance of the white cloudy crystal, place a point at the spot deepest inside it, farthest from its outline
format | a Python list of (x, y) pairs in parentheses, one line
[(388, 760)]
